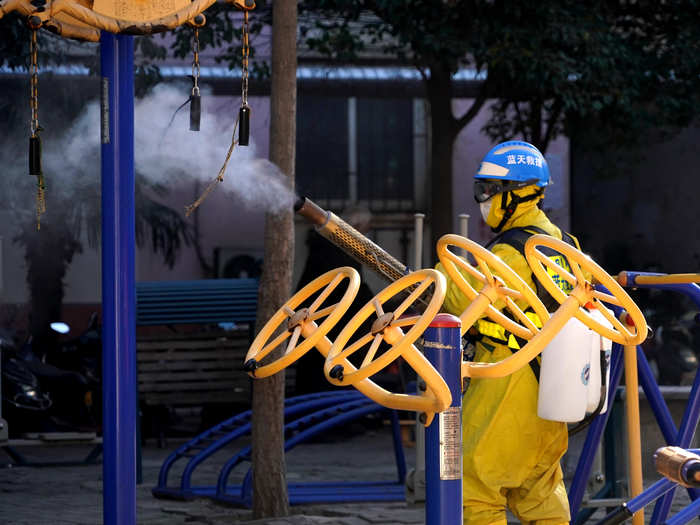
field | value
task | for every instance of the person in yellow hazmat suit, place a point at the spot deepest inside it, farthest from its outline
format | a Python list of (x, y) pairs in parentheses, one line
[(511, 456)]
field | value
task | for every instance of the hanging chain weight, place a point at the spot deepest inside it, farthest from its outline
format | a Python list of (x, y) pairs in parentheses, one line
[(34, 83), (245, 54), (34, 140)]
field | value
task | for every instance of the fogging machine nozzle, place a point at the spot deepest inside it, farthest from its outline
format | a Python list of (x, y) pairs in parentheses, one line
[(311, 211), (351, 241)]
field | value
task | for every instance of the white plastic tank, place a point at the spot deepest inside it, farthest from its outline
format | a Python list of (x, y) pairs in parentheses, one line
[(599, 344), (565, 374)]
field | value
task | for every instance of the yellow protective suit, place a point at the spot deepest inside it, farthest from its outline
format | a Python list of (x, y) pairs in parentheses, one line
[(511, 456)]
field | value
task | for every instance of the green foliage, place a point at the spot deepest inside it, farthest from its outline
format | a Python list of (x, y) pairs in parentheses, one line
[(14, 41), (147, 73), (620, 68), (421, 33)]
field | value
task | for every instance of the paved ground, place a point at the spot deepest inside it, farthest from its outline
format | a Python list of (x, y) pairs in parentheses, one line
[(63, 495), (72, 495)]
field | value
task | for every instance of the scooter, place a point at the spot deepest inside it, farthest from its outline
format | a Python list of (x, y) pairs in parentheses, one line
[(24, 403), (82, 353), (53, 389)]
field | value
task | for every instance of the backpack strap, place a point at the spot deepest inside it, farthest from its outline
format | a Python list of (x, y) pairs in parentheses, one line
[(516, 238)]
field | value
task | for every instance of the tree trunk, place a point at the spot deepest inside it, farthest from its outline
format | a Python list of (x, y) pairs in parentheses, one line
[(442, 136), (270, 497)]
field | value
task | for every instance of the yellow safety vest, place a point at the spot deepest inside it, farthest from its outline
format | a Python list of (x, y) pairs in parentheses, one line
[(500, 335)]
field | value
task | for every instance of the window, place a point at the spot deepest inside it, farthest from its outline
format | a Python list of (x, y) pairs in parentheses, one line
[(351, 150), (385, 153), (322, 148)]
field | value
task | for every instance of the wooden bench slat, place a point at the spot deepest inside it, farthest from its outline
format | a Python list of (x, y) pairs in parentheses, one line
[(197, 399), (174, 366), (199, 306), (181, 386), (173, 321), (176, 300), (183, 355), (201, 376), (240, 334), (147, 346), (145, 343)]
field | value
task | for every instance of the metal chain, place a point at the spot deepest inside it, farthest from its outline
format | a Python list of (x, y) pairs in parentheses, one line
[(40, 200), (245, 51), (34, 84), (195, 63), (219, 177), (34, 124)]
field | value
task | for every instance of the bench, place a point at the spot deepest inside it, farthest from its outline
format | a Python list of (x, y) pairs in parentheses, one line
[(194, 368)]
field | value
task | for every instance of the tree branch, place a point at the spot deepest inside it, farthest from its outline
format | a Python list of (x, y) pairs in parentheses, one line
[(421, 70), (476, 106), (519, 123), (536, 122), (551, 125)]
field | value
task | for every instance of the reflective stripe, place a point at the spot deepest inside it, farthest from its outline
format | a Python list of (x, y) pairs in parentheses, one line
[(493, 330), (534, 318), (562, 283), (496, 332)]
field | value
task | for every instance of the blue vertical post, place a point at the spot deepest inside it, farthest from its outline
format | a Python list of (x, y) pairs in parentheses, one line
[(118, 296), (443, 438), (585, 462)]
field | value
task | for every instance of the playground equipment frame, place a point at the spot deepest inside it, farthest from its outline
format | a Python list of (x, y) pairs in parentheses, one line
[(679, 436)]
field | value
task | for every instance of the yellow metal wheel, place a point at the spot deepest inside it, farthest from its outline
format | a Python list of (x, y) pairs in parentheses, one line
[(388, 327), (547, 270), (499, 284), (301, 327)]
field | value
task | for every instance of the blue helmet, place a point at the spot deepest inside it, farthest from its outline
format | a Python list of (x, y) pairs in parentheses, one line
[(508, 166)]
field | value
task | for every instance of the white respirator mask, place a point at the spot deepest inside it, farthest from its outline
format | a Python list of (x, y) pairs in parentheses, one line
[(485, 208)]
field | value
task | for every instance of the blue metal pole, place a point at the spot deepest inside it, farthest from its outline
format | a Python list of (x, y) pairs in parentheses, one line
[(689, 423), (585, 462), (683, 439), (625, 511), (655, 398), (650, 494), (443, 438), (118, 296), (685, 515)]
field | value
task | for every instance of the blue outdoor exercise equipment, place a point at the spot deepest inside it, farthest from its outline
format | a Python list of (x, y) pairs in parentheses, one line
[(112, 24), (306, 417), (681, 436)]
